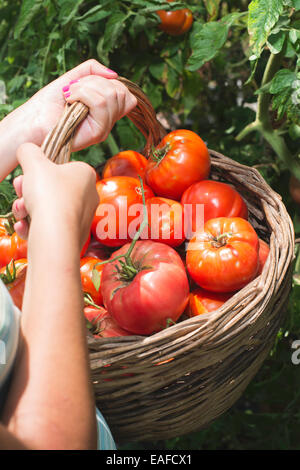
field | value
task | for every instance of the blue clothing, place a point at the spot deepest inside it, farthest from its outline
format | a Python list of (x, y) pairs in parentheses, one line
[(9, 338)]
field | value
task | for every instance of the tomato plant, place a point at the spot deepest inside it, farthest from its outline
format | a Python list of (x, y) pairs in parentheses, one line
[(90, 273), (146, 291), (175, 22), (180, 159), (14, 275), (218, 199), (115, 221), (11, 245), (203, 301), (165, 221), (126, 163), (223, 256)]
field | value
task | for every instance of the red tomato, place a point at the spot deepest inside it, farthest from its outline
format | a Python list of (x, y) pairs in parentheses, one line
[(178, 161), (11, 245), (149, 294), (263, 254), (203, 301), (218, 199), (127, 163), (96, 250), (120, 212), (91, 273), (223, 257), (175, 22), (103, 324), (165, 221), (14, 276)]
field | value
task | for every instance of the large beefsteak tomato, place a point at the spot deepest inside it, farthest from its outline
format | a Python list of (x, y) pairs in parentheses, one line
[(223, 257), (147, 293), (180, 159)]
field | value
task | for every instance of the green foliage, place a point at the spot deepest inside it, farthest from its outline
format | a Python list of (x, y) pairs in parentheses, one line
[(237, 65)]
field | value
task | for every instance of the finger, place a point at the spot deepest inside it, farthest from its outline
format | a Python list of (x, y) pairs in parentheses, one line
[(89, 67), (17, 183), (19, 210), (29, 155), (21, 228)]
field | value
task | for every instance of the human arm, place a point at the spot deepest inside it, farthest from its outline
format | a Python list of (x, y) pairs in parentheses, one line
[(50, 403), (32, 121)]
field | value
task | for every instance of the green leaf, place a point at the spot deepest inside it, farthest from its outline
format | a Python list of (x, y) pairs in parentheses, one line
[(114, 28), (207, 39), (282, 79), (7, 196), (68, 10), (173, 82), (263, 15), (96, 278), (275, 42), (29, 9), (157, 70), (296, 4)]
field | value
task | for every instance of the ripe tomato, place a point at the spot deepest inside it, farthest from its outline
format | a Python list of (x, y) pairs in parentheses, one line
[(91, 273), (223, 257), (127, 163), (263, 254), (175, 22), (120, 211), (180, 159), (14, 275), (11, 245), (218, 199), (102, 323), (165, 221), (203, 301), (150, 292), (96, 250)]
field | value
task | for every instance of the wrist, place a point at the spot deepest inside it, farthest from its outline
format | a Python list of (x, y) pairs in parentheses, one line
[(57, 233)]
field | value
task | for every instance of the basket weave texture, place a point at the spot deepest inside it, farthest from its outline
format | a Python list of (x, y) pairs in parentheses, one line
[(181, 379)]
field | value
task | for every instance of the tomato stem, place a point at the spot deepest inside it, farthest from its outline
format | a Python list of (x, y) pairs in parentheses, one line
[(157, 155)]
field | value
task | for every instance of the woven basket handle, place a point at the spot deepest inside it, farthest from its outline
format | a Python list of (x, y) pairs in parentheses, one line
[(58, 143)]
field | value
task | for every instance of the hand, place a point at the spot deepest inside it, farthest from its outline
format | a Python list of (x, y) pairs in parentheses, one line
[(32, 121), (107, 100), (65, 193)]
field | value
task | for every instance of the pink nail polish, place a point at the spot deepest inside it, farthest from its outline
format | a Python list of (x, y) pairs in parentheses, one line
[(73, 81), (111, 71), (67, 95), (65, 88)]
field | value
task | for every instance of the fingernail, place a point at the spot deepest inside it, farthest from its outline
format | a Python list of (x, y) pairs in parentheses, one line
[(65, 88), (73, 81), (111, 71), (67, 95)]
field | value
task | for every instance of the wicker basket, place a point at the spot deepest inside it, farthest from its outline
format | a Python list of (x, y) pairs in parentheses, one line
[(181, 379)]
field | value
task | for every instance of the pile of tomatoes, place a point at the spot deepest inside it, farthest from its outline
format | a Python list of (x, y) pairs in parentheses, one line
[(166, 243)]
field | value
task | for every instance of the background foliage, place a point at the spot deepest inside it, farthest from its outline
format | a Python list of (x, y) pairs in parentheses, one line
[(234, 79)]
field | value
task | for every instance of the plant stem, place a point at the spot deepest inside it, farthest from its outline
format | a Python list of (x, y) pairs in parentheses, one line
[(262, 122), (112, 145)]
